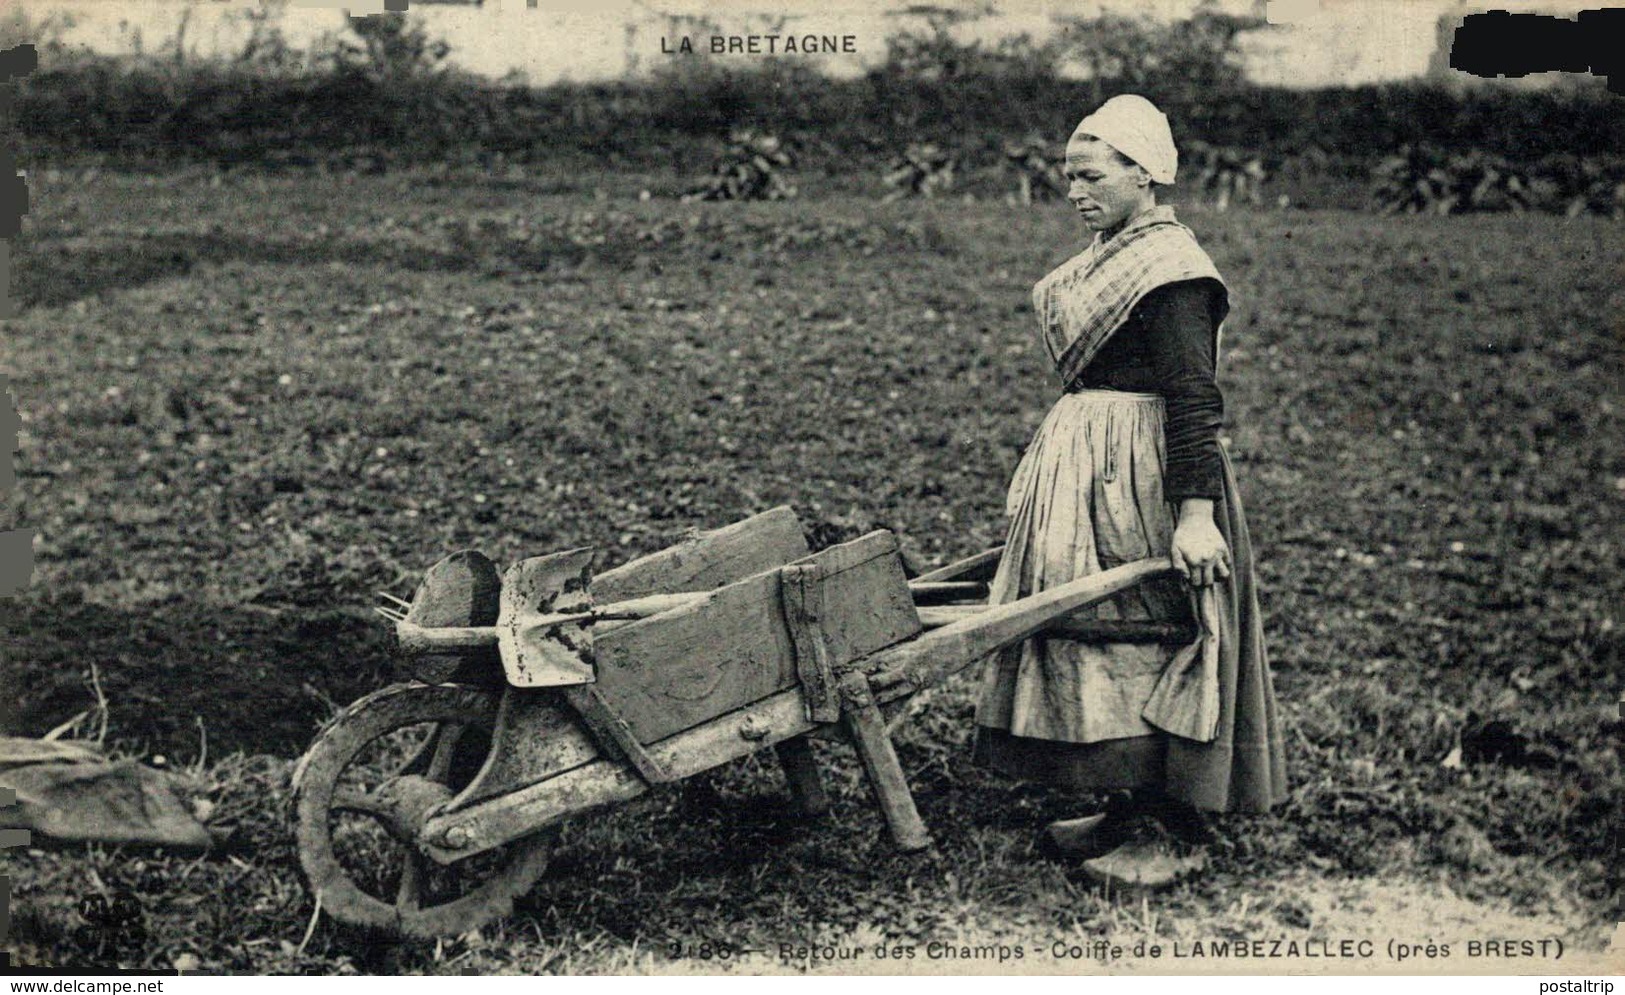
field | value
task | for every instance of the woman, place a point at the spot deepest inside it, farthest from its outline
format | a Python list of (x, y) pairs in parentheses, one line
[(1128, 465)]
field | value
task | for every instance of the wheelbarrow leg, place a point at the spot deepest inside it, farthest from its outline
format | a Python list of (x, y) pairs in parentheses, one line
[(801, 775), (867, 728)]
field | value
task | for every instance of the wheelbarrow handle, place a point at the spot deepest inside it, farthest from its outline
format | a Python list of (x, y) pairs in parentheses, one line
[(925, 661), (1077, 629), (979, 566), (936, 591)]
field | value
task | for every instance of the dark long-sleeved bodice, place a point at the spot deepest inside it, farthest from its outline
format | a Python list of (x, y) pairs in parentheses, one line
[(1167, 347)]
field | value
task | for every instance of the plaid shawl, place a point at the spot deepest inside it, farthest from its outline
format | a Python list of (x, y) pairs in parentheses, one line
[(1088, 297)]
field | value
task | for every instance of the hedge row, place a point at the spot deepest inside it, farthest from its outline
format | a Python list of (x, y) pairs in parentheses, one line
[(226, 111)]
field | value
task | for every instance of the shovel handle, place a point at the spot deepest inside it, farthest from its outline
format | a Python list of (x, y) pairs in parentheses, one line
[(416, 638)]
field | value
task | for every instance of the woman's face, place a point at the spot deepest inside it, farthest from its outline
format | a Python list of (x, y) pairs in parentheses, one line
[(1105, 188)]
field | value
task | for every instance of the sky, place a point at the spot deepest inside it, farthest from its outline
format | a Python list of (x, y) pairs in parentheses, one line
[(1326, 42)]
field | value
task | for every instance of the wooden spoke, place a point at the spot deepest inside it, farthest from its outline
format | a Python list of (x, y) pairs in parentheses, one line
[(409, 894), (358, 801), (445, 746)]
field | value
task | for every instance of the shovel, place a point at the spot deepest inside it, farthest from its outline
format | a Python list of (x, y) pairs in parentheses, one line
[(543, 629)]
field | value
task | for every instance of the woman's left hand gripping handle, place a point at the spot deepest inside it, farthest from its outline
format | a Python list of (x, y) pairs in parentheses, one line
[(1199, 551)]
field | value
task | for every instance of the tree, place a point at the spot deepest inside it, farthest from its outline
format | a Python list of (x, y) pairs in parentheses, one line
[(936, 54), (393, 47), (1192, 58)]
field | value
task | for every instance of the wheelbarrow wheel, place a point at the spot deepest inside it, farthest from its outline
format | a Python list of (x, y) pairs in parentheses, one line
[(365, 787)]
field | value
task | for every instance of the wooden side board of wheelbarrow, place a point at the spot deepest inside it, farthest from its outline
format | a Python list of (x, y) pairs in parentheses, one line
[(792, 649)]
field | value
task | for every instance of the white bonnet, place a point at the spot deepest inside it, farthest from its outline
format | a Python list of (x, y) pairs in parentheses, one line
[(1133, 126)]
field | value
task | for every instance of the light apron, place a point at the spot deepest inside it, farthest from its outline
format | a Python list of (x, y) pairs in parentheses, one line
[(1198, 721)]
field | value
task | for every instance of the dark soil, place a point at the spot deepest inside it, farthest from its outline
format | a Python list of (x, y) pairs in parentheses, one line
[(249, 405)]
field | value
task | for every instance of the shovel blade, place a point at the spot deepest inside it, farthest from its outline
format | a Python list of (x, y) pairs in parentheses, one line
[(554, 655)]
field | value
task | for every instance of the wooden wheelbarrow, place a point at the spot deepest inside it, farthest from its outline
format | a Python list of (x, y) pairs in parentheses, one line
[(546, 693)]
